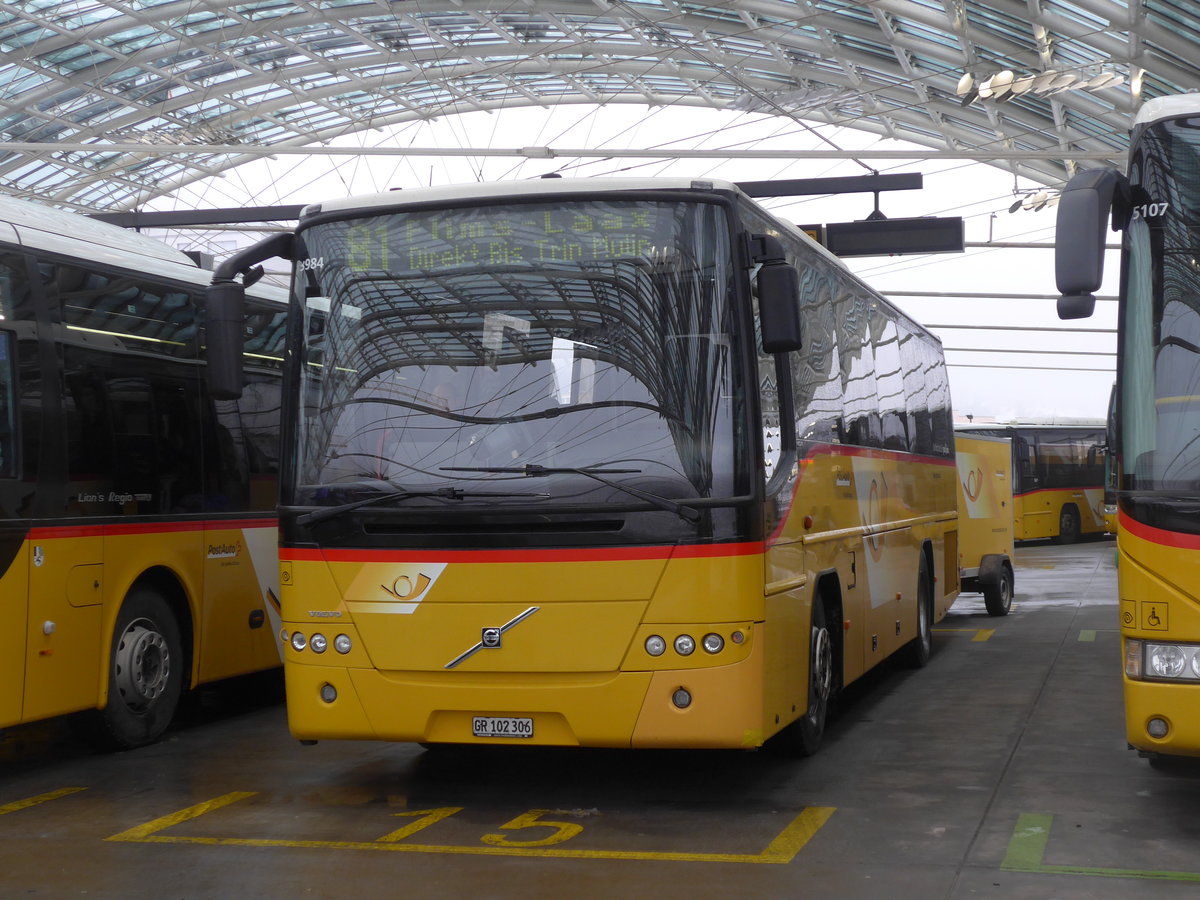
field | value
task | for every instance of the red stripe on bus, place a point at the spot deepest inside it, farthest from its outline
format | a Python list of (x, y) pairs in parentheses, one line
[(581, 554), (1158, 536), (51, 532)]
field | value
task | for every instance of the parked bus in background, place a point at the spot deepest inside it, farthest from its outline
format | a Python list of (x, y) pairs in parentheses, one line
[(137, 514), (1156, 206), (1058, 478), (620, 463)]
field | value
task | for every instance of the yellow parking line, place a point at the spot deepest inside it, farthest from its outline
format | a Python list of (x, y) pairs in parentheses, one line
[(782, 849), (18, 805), (980, 634)]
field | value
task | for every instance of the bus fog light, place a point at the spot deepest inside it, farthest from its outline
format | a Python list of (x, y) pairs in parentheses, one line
[(655, 645), (685, 644), (1157, 728), (681, 698), (1165, 660), (713, 643), (342, 644), (328, 692), (299, 641), (319, 643)]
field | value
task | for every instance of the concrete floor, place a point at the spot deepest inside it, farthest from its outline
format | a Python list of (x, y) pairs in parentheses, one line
[(1000, 770)]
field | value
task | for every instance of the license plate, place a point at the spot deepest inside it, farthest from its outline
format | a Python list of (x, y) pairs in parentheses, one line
[(502, 727)]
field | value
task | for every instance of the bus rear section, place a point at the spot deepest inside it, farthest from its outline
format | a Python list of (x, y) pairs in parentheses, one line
[(985, 519)]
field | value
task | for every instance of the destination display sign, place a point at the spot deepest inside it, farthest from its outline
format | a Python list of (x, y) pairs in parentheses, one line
[(512, 235)]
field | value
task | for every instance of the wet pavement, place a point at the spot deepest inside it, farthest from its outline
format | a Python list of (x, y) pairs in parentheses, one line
[(999, 770)]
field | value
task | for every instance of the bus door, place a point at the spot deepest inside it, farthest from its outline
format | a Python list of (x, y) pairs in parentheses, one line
[(1031, 508)]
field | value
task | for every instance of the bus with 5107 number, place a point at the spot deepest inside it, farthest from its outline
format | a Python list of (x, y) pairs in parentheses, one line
[(617, 463), (1155, 413), (137, 513)]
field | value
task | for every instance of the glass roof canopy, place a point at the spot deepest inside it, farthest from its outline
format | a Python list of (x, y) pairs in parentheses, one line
[(106, 104)]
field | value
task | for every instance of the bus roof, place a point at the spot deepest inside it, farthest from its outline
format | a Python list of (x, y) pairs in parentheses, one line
[(1172, 107), (500, 190), (42, 227)]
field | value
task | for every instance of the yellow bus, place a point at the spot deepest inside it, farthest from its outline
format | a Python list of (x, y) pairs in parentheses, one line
[(137, 513), (1058, 477), (1156, 415), (611, 463)]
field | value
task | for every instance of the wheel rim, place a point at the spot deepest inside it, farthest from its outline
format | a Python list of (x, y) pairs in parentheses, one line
[(822, 666), (142, 664)]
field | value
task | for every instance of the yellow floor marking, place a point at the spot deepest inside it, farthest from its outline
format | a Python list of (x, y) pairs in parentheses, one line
[(781, 850), (980, 634), (18, 805)]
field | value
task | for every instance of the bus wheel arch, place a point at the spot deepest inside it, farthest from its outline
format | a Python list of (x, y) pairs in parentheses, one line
[(148, 665), (804, 735), (1068, 524)]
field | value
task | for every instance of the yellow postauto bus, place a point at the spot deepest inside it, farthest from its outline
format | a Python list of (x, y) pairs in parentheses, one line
[(137, 513), (615, 463), (1156, 413), (1058, 477)]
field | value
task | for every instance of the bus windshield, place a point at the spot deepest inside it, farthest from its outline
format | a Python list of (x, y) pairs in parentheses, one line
[(477, 345), (1160, 394)]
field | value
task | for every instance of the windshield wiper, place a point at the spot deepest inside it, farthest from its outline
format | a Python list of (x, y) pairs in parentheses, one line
[(446, 493), (532, 470)]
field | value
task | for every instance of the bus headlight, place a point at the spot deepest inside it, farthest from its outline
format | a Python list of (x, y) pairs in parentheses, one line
[(713, 643), (1162, 661), (299, 641), (319, 643), (342, 644), (655, 645), (1165, 660), (685, 644)]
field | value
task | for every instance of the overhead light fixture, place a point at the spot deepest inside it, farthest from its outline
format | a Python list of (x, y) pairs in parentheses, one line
[(1035, 200), (1005, 84)]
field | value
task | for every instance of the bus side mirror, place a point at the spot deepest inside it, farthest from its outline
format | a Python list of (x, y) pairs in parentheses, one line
[(224, 327), (1083, 212), (778, 296), (225, 313)]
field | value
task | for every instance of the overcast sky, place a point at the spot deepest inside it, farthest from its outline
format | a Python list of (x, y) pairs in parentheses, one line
[(1057, 383)]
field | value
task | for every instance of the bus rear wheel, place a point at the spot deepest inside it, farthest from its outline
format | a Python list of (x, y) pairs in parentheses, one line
[(998, 596), (916, 653), (145, 672), (1068, 525)]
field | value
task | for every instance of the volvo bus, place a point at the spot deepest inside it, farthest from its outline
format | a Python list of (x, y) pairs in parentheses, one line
[(1058, 477), (1155, 206), (137, 512), (614, 463)]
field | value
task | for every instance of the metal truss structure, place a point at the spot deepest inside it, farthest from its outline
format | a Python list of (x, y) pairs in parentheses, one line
[(106, 104)]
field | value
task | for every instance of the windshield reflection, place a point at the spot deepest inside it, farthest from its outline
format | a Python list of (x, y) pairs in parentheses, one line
[(620, 358)]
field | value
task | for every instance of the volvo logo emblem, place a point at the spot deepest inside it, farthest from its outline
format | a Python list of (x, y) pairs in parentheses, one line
[(490, 639)]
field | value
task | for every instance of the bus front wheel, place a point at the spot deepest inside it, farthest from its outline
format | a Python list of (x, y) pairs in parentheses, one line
[(145, 672), (803, 736)]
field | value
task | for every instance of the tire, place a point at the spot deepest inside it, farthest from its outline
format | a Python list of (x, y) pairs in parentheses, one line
[(998, 596), (145, 673), (1068, 524), (916, 653), (803, 737)]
